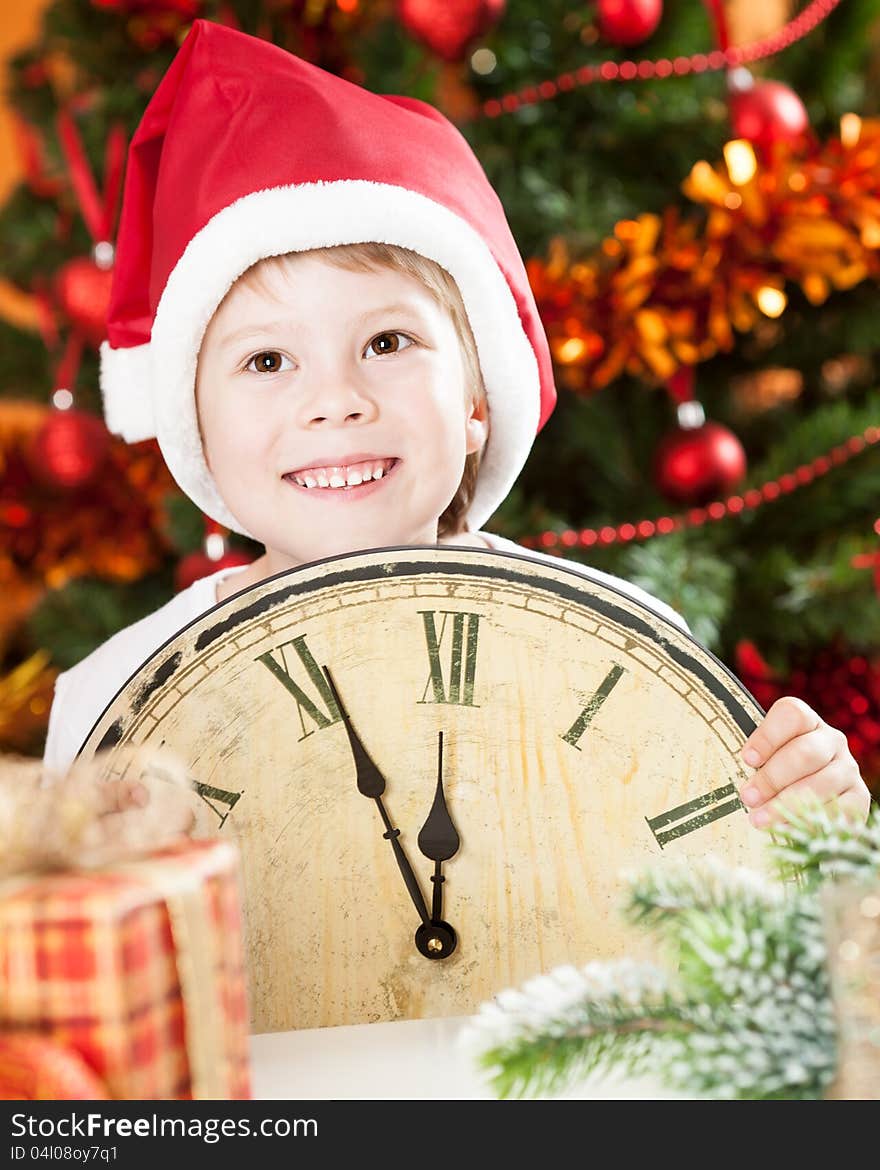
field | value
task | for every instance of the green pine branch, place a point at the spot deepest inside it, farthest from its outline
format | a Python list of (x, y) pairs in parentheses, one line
[(816, 844), (746, 1011)]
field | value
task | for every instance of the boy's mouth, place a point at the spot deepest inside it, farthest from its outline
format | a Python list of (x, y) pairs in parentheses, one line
[(356, 476)]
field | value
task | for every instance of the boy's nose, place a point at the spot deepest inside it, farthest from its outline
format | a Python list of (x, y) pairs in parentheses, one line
[(353, 416), (338, 403)]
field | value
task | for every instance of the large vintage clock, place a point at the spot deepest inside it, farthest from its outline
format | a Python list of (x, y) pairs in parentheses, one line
[(438, 764)]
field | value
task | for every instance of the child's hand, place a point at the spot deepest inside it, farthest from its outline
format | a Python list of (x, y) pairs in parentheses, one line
[(79, 819), (150, 806), (120, 801), (794, 752)]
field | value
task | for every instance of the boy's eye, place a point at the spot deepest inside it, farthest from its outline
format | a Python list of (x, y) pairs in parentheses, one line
[(388, 343), (267, 362)]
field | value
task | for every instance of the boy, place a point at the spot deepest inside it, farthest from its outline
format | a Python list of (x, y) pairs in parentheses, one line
[(320, 312)]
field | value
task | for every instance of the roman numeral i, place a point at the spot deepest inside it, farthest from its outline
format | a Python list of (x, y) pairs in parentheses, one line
[(583, 721)]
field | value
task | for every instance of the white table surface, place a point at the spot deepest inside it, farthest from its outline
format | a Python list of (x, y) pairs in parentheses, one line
[(407, 1060)]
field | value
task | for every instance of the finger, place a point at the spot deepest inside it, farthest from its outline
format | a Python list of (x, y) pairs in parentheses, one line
[(823, 786), (136, 795), (787, 718), (108, 796), (833, 785), (173, 807), (118, 795), (855, 803), (800, 757)]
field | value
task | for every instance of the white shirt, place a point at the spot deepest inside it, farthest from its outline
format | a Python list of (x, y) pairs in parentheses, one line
[(84, 692)]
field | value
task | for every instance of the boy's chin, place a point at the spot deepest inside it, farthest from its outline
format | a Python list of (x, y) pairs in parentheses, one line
[(343, 545)]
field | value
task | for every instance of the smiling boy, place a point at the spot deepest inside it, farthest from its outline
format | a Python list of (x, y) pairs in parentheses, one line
[(320, 312), (336, 437)]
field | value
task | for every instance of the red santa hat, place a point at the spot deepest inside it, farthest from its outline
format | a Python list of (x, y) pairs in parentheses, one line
[(244, 152)]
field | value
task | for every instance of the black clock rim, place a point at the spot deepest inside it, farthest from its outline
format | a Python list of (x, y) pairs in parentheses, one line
[(451, 558)]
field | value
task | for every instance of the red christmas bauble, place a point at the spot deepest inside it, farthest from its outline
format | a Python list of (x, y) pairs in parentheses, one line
[(69, 449), (699, 464), (198, 564), (448, 27), (83, 290), (766, 113), (628, 22), (185, 8)]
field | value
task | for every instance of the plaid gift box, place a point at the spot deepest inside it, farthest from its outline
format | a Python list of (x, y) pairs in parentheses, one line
[(137, 967)]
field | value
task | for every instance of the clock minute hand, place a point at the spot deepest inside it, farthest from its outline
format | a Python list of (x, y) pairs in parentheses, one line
[(371, 782), (439, 839)]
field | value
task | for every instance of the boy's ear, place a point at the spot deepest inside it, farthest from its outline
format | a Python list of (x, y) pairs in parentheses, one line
[(477, 427)]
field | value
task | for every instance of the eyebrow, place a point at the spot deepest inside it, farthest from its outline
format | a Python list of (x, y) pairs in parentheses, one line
[(271, 327)]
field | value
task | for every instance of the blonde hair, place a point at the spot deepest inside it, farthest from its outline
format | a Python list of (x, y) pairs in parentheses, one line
[(369, 257)]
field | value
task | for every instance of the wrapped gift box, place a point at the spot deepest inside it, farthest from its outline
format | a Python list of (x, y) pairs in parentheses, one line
[(137, 967)]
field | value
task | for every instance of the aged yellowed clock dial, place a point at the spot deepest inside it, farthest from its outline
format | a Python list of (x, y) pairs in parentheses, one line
[(438, 763)]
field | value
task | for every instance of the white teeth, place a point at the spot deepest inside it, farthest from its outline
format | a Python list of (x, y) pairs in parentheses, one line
[(337, 477)]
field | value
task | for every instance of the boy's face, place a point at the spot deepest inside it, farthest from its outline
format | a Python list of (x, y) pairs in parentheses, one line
[(353, 372)]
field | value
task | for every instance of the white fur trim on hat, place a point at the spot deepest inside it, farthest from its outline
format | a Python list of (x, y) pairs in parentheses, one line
[(127, 392), (294, 219)]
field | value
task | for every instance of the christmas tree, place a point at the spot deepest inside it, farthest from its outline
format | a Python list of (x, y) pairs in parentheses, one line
[(696, 190)]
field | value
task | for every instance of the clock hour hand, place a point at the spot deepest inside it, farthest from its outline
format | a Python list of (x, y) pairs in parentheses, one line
[(439, 838), (371, 782)]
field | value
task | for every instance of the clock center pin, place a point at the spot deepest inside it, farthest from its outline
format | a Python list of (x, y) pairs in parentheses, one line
[(436, 940)]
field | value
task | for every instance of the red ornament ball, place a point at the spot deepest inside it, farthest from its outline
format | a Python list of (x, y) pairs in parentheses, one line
[(448, 27), (69, 449), (185, 8), (628, 22), (196, 565), (699, 464), (83, 290), (766, 113)]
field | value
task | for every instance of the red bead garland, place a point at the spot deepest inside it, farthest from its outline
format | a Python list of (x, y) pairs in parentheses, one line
[(717, 510), (729, 58)]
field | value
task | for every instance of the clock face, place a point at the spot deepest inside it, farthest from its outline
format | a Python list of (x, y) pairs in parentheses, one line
[(583, 737)]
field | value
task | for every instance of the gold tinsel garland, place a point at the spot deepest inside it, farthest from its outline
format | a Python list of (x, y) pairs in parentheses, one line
[(666, 291), (25, 698)]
